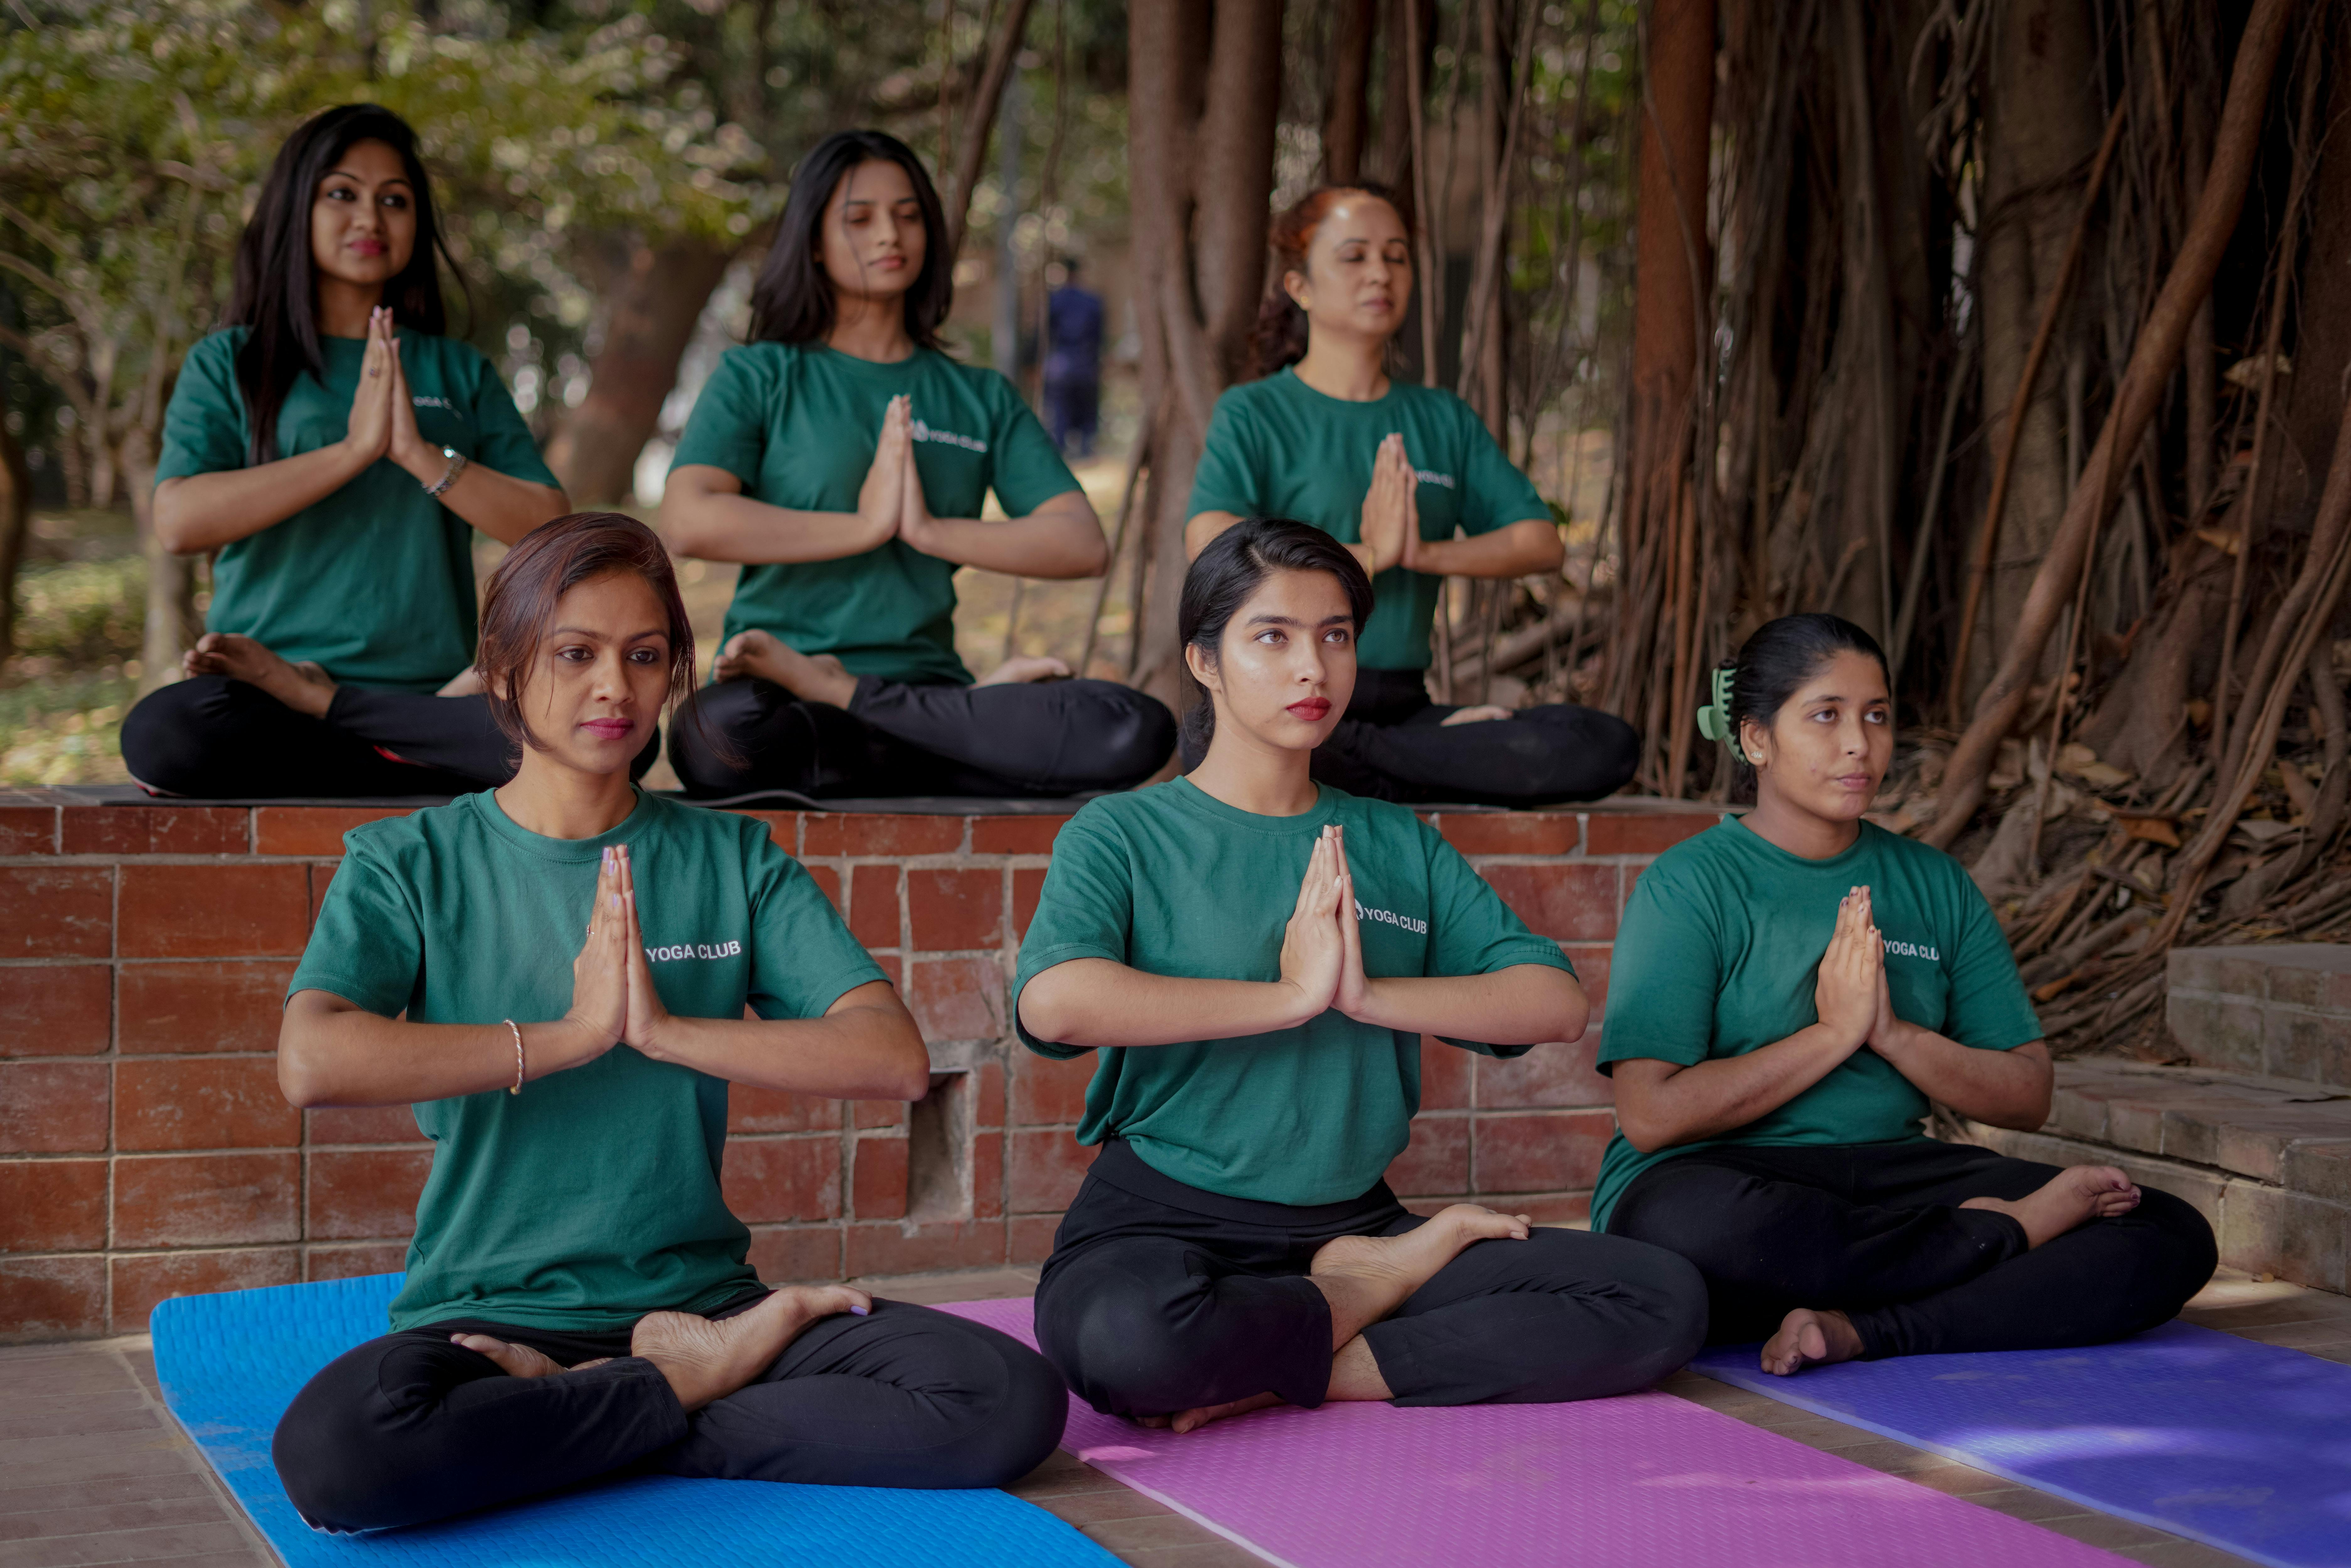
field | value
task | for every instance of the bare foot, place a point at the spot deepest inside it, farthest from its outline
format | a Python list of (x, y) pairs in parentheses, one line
[(813, 677), (2074, 1197), (1807, 1338), (705, 1360), (1482, 714), (519, 1360), (1368, 1277), (465, 683), (304, 687), (1027, 667), (1193, 1420)]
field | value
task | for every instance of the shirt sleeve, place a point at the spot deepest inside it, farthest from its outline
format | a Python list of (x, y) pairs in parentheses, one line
[(1025, 470), (1663, 974), (368, 943), (204, 429), (502, 442), (728, 426), (1499, 494), (1227, 479), (1472, 932), (803, 958), (1086, 909), (1989, 1008)]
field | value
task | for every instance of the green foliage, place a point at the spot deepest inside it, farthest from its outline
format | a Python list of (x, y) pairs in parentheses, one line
[(82, 615)]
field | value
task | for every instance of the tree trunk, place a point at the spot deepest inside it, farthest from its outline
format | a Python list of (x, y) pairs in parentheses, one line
[(1397, 76), (2153, 359), (1201, 115), (172, 624), (15, 520), (1671, 269), (652, 299), (979, 117), (1347, 113), (2040, 123)]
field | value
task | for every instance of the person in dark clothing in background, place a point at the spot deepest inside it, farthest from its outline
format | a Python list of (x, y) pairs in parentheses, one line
[(1073, 349)]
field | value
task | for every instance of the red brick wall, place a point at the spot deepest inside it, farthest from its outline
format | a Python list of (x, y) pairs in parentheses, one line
[(145, 1151)]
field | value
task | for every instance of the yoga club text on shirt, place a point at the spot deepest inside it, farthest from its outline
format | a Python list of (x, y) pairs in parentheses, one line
[(593, 1197), (1171, 881)]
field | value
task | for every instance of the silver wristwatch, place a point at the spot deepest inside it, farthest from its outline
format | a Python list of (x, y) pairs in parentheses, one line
[(449, 475)]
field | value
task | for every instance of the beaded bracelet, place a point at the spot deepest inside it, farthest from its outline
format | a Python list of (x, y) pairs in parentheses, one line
[(516, 1087)]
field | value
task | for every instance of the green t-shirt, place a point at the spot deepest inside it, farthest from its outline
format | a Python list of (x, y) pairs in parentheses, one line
[(798, 424), (1277, 448), (592, 1197), (1171, 881), (1721, 945), (376, 581)]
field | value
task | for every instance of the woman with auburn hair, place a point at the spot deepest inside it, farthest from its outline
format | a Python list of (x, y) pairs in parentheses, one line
[(843, 459), (578, 1301), (1392, 471), (1790, 991), (335, 452)]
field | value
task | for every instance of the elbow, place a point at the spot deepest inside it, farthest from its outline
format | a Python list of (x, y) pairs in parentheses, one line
[(1549, 554), (1640, 1131), (1573, 1011), (913, 1080), (172, 530), (675, 523), (1095, 560), (298, 1079)]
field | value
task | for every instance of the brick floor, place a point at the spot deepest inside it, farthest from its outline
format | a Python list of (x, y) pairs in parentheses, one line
[(93, 1471)]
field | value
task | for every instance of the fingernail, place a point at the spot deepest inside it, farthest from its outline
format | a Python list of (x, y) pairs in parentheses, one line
[(860, 1311)]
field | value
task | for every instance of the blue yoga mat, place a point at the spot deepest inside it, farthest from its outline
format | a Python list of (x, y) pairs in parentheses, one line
[(230, 1363), (2245, 1447)]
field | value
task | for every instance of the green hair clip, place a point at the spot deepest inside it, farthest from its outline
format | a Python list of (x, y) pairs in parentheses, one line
[(1714, 720)]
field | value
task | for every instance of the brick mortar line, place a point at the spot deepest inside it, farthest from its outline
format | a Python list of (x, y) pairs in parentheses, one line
[(2225, 1174)]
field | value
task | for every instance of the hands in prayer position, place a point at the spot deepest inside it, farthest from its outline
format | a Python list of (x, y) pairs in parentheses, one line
[(1390, 522), (613, 1000), (1323, 945)]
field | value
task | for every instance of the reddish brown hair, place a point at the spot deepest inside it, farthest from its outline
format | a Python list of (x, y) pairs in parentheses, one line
[(1279, 337), (553, 559)]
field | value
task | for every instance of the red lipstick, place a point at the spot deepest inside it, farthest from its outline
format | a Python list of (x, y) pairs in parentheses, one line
[(609, 728), (1311, 709)]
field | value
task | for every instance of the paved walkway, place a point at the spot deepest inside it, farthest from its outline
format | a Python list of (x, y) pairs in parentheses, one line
[(93, 1472)]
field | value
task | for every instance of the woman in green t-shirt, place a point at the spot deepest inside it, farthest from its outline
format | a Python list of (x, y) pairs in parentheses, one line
[(334, 451), (1789, 990), (1393, 471), (1256, 957), (577, 1301), (843, 459)]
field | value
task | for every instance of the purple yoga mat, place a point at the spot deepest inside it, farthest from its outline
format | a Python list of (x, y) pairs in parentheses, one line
[(1646, 1481)]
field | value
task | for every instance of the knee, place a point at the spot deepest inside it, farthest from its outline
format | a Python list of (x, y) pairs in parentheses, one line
[(2181, 1243), (707, 739), (332, 1464), (1142, 738), (1120, 1350), (1674, 1293), (1602, 755), (1692, 1213), (163, 735), (1022, 1424)]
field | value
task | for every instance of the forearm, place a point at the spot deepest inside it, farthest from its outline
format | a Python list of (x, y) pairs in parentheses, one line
[(872, 1051), (339, 1057), (1525, 1004), (1523, 547), (2005, 1088), (1096, 1003), (1203, 528), (199, 512), (500, 504), (1722, 1094), (722, 527), (1043, 544)]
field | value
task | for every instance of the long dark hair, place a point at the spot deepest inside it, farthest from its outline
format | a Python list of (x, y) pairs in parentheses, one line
[(792, 300), (1780, 657), (1235, 564), (275, 285), (1278, 337), (519, 604)]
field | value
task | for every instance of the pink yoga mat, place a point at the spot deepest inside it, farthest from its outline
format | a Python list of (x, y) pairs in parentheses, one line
[(1646, 1481)]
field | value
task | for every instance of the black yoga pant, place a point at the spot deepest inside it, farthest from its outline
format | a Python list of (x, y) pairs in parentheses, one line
[(1394, 744), (1160, 1298), (214, 737), (1875, 1231), (411, 1427), (1015, 739)]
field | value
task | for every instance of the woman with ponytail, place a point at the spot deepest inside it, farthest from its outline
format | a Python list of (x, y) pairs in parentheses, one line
[(334, 451), (1256, 957), (1789, 991), (1392, 471)]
